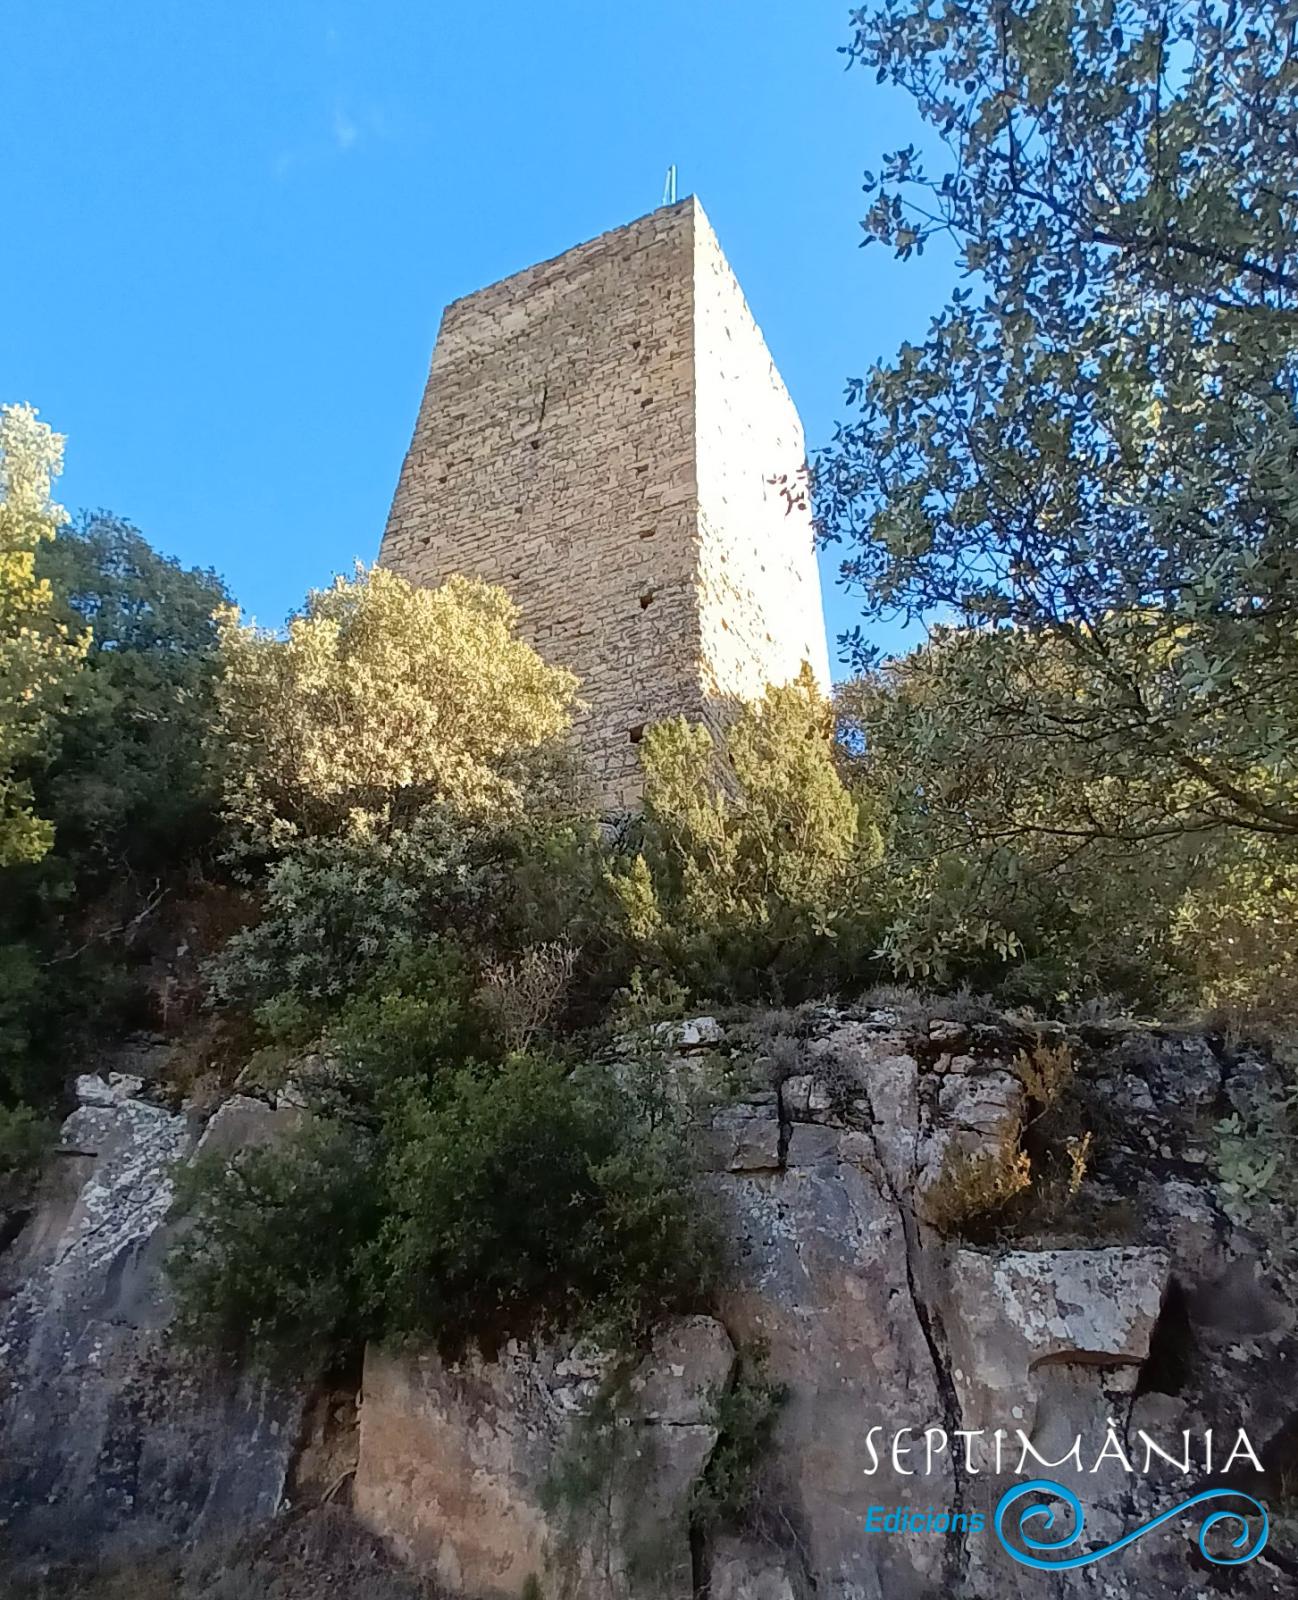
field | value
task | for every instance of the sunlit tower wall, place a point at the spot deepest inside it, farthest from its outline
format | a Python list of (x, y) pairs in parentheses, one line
[(607, 437)]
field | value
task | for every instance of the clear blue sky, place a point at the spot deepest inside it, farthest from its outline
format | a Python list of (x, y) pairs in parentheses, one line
[(232, 228)]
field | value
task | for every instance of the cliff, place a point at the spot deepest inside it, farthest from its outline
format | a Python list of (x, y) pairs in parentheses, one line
[(868, 1295)]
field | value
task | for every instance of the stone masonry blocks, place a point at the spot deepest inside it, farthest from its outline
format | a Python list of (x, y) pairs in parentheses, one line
[(602, 435)]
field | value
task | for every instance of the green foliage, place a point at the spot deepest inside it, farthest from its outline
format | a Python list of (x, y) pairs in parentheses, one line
[(758, 877), (24, 1139), (486, 1197), (1236, 930), (269, 1259), (125, 782), (419, 1019), (987, 881), (335, 909), (38, 653), (386, 698), (524, 1195), (1087, 468), (1255, 1156), (132, 786), (745, 1416), (24, 1002)]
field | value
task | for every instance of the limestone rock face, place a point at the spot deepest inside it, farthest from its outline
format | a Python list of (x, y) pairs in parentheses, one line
[(875, 1322), (741, 1571), (110, 1438), (1013, 1312), (543, 1463), (920, 1372)]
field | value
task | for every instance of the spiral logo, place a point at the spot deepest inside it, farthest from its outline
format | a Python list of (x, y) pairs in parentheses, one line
[(1046, 1554)]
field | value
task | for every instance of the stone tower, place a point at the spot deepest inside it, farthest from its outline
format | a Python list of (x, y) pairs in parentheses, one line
[(604, 435)]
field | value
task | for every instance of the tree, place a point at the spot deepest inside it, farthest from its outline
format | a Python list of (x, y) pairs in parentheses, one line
[(754, 860), (385, 698), (133, 785), (1094, 455), (124, 782), (987, 881), (38, 654)]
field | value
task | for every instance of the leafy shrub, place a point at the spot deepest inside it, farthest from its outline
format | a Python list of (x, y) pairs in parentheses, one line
[(745, 1415), (25, 1137), (24, 997), (385, 698), (269, 1259), (754, 867), (417, 1020), (1237, 931), (336, 910), (1255, 1154), (988, 883), (470, 1203), (523, 1195)]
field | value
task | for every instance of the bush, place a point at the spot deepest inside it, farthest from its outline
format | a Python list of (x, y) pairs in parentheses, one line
[(25, 1137), (386, 698), (988, 883), (1237, 931), (418, 1020), (269, 1261), (24, 996), (973, 1188), (336, 910), (523, 1197), (448, 1204), (754, 871), (745, 1415)]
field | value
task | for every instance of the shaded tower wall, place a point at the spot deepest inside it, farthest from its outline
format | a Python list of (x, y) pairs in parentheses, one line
[(597, 435)]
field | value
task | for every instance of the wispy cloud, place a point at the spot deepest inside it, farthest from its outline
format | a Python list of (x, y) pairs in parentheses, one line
[(348, 129), (346, 133)]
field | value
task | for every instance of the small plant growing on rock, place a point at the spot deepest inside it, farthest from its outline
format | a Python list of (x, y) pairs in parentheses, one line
[(523, 997), (973, 1187), (744, 1415), (1253, 1155), (1078, 1151), (1046, 1072)]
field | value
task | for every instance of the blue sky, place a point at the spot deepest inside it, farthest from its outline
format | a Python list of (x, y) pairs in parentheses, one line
[(232, 229)]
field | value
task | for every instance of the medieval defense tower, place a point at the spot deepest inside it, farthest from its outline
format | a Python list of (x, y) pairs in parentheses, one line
[(604, 435)]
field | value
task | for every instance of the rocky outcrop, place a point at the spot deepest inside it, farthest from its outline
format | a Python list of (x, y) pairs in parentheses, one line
[(1011, 1313), (545, 1464), (113, 1439), (921, 1372)]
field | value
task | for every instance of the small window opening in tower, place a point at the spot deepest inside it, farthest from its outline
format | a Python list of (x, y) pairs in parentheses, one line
[(637, 733), (646, 600)]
